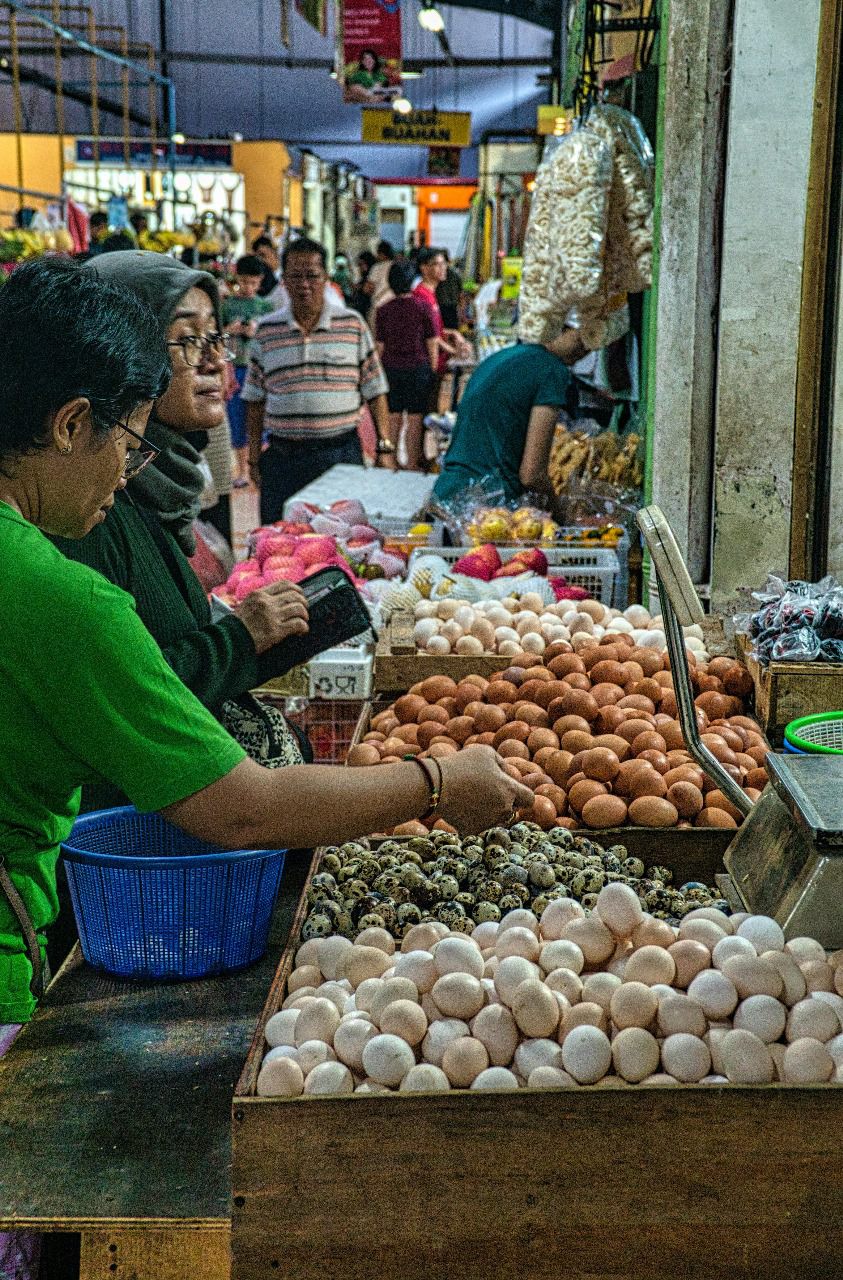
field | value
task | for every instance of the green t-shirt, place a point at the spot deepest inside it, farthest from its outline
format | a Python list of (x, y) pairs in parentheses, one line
[(494, 415), (235, 308), (85, 696)]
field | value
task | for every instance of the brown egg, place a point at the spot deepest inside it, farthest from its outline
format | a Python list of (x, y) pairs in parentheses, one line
[(648, 689), (489, 719), (716, 818), (555, 650), (532, 715), (745, 762), (631, 729), (581, 792), (713, 704), (708, 684), (577, 702), (718, 748), (648, 660), (632, 674), (757, 778), (434, 714), (569, 724), (651, 811), (450, 705), (668, 704), (512, 747), (543, 812), (436, 687), (516, 731), (719, 666), (664, 678), (566, 664), (716, 800), (427, 732), (480, 681), (738, 682), (408, 708), (576, 741), (412, 828), (657, 759), (549, 690), (634, 702), (534, 779), (464, 694), (607, 652), (500, 691), (686, 799), (758, 754), (685, 773), (542, 738), (613, 742), (438, 750), (603, 812), (607, 695), (385, 722), (646, 782), (515, 675), (649, 741), (607, 672), (396, 747), (555, 794), (609, 719), (600, 764), (557, 767), (363, 754), (544, 755), (460, 728), (406, 732), (678, 758), (577, 681), (734, 738)]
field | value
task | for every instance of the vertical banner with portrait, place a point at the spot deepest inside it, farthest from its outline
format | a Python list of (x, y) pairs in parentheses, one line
[(370, 50)]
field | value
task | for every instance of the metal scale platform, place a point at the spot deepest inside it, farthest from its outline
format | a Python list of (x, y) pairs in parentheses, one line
[(786, 861)]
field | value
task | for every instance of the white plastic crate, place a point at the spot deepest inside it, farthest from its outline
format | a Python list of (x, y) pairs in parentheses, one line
[(595, 569)]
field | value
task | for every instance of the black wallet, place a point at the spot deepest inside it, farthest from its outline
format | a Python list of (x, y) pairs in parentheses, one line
[(337, 613)]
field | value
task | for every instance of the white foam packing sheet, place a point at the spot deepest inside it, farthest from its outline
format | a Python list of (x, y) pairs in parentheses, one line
[(390, 494)]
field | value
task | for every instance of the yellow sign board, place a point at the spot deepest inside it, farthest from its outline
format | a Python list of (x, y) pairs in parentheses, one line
[(417, 128), (554, 120)]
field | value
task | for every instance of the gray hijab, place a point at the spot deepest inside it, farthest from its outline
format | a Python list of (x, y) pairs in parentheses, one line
[(172, 485)]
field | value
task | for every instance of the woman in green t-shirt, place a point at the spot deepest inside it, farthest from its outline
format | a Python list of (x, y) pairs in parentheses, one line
[(85, 693)]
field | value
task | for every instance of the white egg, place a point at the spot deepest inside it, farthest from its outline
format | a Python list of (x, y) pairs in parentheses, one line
[(524, 615), (533, 643), (424, 630), (426, 609), (620, 626), (438, 646), (498, 616), (695, 631), (483, 630), (511, 604), (448, 609), (469, 646), (637, 615), (509, 648), (533, 601), (548, 619), (582, 623), (653, 640), (555, 634), (503, 634), (465, 617), (495, 1078), (452, 631), (530, 626)]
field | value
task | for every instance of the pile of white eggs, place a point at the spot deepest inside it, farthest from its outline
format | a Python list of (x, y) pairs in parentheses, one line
[(528, 625), (564, 1001)]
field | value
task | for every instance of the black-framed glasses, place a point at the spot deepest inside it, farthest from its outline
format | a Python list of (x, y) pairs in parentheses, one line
[(137, 456), (196, 350)]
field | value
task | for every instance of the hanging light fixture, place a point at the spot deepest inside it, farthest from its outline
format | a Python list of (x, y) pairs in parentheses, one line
[(402, 106), (430, 18)]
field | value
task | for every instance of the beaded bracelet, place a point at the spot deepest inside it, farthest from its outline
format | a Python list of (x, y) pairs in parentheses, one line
[(435, 788)]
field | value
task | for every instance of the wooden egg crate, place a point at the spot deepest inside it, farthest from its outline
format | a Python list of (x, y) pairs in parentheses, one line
[(784, 691), (598, 1183)]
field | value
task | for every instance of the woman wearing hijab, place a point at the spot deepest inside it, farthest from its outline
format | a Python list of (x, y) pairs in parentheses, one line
[(144, 547)]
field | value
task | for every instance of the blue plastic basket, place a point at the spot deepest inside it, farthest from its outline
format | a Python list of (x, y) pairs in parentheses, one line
[(151, 902)]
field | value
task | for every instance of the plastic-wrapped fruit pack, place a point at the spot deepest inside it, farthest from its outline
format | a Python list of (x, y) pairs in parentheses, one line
[(797, 621)]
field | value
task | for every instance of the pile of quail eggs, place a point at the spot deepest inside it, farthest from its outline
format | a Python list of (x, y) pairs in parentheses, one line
[(462, 882)]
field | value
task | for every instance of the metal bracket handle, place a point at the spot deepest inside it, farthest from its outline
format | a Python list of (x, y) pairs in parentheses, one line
[(674, 583)]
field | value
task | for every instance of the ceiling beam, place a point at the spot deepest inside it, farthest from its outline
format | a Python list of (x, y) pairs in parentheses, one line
[(29, 75), (327, 64)]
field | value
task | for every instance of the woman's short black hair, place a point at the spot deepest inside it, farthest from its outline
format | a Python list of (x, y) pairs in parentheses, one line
[(401, 277), (301, 246), (64, 333)]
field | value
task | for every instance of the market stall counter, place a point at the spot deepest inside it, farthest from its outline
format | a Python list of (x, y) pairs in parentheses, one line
[(115, 1112)]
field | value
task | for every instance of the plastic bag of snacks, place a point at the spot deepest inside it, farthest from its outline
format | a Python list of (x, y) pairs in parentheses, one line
[(629, 234), (563, 251), (796, 621)]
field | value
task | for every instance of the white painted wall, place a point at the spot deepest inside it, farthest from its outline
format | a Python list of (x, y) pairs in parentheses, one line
[(766, 187)]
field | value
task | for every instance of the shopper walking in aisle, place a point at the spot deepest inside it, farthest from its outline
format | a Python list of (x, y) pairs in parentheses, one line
[(506, 420), (406, 341), (433, 270), (312, 367), (84, 684), (448, 295), (240, 314), (361, 298), (378, 281), (263, 247)]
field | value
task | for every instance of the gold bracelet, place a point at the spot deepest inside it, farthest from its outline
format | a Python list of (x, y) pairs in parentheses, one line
[(435, 793)]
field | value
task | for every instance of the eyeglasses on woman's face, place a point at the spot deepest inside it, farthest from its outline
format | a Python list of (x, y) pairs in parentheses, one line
[(138, 455), (197, 350)]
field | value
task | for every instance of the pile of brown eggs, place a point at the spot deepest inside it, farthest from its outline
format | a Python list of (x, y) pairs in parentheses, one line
[(594, 734)]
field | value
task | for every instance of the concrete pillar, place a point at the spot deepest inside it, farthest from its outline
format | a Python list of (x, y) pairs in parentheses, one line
[(698, 34), (770, 119), (835, 531)]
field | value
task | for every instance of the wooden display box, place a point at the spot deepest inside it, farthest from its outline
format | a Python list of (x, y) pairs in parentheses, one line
[(600, 1183), (784, 691)]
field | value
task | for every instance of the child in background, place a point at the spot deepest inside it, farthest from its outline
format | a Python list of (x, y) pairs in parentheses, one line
[(240, 314)]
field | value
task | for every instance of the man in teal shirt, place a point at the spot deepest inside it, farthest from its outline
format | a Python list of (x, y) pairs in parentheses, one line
[(507, 417)]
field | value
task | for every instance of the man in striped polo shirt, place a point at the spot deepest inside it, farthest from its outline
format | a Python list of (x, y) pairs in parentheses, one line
[(312, 366)]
